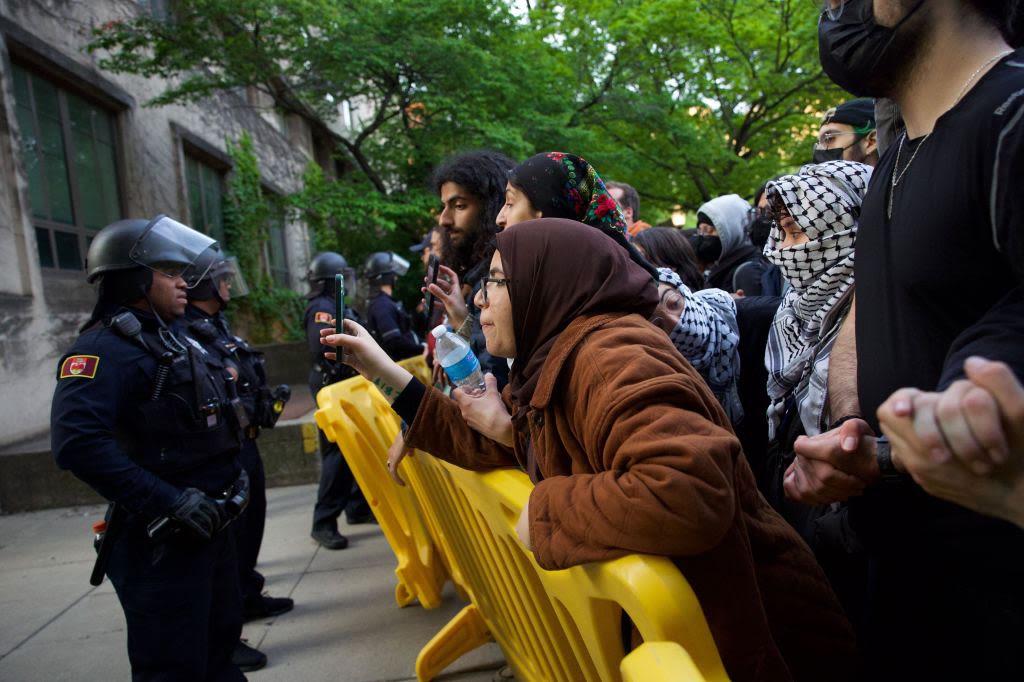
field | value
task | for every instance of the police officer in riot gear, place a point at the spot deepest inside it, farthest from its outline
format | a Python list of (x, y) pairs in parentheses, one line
[(141, 414), (387, 320), (338, 490), (206, 323)]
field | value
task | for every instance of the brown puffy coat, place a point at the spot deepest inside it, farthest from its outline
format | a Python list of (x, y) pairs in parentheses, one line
[(635, 455)]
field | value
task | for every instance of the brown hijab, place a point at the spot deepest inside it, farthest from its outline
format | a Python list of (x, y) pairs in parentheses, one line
[(560, 270)]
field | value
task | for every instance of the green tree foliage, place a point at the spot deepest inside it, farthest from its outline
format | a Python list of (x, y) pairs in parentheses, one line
[(685, 99), (691, 99)]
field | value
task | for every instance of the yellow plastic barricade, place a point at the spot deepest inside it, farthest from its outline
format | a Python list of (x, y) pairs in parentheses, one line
[(660, 662), (551, 625), (353, 414)]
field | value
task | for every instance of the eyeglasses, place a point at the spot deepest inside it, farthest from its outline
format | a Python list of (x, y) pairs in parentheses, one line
[(168, 269), (672, 301), (833, 9), (496, 281), (826, 139)]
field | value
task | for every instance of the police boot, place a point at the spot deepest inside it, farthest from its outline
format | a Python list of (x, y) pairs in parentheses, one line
[(266, 607), (246, 658), (330, 538)]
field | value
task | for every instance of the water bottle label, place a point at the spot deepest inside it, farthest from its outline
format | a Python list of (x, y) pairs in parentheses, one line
[(463, 368)]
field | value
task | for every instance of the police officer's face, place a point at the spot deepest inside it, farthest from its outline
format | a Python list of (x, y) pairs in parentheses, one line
[(168, 295), (496, 313)]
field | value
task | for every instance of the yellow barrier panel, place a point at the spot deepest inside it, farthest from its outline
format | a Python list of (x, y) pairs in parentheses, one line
[(552, 625), (353, 414), (660, 662)]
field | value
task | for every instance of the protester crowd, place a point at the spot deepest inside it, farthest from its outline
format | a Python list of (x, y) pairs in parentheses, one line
[(812, 404)]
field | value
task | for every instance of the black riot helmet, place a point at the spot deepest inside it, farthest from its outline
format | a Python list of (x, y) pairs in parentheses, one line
[(158, 244), (124, 255), (323, 268), (382, 267), (325, 265)]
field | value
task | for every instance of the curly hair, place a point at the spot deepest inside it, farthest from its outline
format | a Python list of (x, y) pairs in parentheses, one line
[(484, 174)]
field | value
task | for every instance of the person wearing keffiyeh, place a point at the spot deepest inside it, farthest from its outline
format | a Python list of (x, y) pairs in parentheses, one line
[(814, 230), (823, 203)]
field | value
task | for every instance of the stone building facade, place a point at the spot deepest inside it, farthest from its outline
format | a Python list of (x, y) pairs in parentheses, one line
[(78, 150)]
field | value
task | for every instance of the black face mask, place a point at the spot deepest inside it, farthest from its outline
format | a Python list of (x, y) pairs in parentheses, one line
[(823, 155), (708, 248), (853, 48)]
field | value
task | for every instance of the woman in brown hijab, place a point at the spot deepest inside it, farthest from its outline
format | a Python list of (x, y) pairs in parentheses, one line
[(629, 450)]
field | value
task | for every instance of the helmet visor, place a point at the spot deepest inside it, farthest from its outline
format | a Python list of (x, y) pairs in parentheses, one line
[(228, 272), (399, 265), (173, 249)]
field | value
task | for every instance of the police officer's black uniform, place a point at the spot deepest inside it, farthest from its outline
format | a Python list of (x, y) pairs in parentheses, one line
[(386, 319), (262, 407), (391, 326), (142, 436), (338, 491)]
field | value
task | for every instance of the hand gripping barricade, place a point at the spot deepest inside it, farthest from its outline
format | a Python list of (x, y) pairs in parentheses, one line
[(552, 625)]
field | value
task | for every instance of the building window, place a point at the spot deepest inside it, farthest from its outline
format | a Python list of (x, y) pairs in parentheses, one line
[(205, 198), (275, 251), (68, 151)]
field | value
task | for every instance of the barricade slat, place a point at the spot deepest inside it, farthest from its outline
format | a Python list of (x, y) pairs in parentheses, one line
[(364, 429)]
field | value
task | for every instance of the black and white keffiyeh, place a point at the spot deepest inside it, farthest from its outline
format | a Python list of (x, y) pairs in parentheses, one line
[(824, 200), (707, 335)]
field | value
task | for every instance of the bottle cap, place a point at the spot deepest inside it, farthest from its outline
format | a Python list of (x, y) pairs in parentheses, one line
[(439, 331), (99, 526)]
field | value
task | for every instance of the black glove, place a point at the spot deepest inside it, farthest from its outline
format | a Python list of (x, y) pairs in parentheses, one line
[(198, 512)]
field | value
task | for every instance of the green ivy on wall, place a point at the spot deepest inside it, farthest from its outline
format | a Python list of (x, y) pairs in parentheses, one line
[(270, 312)]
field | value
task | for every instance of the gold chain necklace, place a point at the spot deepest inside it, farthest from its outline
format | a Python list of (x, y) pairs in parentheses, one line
[(897, 176)]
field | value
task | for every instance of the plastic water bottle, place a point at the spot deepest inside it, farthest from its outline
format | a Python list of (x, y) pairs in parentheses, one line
[(461, 366)]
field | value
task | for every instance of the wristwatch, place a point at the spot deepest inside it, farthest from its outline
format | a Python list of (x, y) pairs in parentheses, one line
[(890, 474)]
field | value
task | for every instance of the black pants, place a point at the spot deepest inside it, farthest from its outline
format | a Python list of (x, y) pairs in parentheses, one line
[(181, 602), (248, 528), (338, 491)]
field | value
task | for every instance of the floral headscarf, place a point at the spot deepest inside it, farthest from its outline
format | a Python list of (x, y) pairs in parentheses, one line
[(563, 185)]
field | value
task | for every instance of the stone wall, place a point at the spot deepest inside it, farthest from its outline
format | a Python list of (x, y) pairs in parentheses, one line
[(41, 309)]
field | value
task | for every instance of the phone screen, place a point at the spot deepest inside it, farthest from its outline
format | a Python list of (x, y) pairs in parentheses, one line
[(433, 265), (339, 311)]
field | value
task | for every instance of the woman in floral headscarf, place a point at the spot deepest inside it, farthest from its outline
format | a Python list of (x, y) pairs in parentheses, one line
[(702, 325), (560, 185)]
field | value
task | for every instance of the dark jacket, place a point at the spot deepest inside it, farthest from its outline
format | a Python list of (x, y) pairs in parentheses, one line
[(740, 270)]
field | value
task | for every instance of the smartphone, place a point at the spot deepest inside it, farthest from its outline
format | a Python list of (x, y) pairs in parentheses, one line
[(339, 312), (433, 265)]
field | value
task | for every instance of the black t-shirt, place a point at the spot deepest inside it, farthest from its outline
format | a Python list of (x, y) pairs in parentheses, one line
[(954, 247), (937, 282)]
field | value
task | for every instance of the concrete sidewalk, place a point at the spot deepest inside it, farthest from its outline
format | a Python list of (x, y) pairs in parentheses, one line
[(345, 625)]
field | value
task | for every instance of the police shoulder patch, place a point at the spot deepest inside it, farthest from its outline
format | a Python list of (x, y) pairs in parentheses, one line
[(322, 317), (81, 366)]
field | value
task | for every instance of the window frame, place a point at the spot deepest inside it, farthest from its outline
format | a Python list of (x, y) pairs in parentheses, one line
[(64, 86)]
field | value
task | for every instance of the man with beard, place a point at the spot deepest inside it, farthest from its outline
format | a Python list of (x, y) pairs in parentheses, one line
[(939, 278), (471, 187)]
